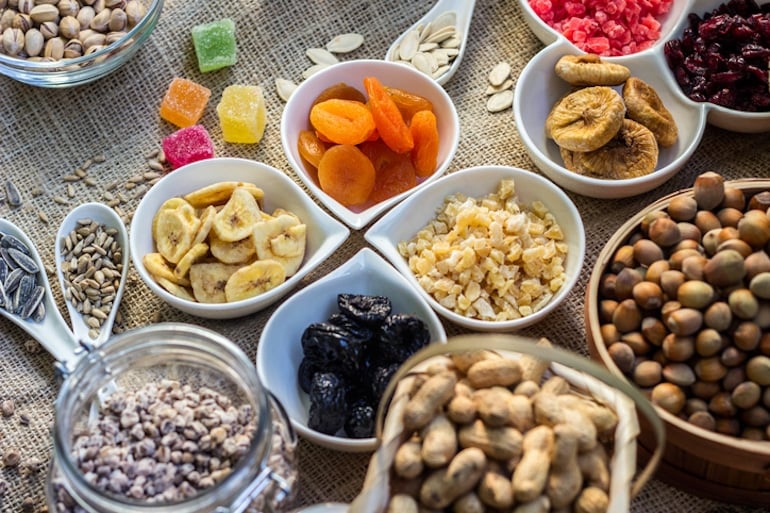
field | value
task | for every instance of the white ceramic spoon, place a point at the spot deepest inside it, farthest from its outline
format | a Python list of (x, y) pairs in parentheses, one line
[(101, 214), (463, 10), (52, 332)]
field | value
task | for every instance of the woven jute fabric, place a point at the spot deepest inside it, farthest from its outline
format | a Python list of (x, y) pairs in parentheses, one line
[(46, 134)]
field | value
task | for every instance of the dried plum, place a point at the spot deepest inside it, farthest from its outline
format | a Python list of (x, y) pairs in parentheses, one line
[(328, 404), (381, 377), (360, 330), (401, 335), (360, 421), (305, 373), (365, 308), (333, 347)]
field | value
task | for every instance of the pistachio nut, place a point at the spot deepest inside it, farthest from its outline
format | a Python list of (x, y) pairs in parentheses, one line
[(85, 16), (135, 11), (54, 48), (13, 41), (101, 21), (44, 12), (33, 42), (118, 20), (49, 29), (73, 48), (69, 27), (68, 8), (25, 6)]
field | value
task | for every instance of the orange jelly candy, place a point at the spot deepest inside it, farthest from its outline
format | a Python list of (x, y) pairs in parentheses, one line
[(184, 102), (394, 171), (310, 147), (342, 121), (425, 135), (346, 174), (390, 124)]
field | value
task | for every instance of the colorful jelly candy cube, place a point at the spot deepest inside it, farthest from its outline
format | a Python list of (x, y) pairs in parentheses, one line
[(187, 145), (184, 102), (242, 114), (214, 44)]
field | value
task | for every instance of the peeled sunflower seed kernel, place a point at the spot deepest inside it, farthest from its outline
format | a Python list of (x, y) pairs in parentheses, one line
[(345, 43)]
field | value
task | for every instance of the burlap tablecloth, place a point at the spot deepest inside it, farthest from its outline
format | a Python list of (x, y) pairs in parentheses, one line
[(46, 134)]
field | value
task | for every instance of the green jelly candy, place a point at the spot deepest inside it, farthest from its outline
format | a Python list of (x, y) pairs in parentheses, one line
[(214, 44)]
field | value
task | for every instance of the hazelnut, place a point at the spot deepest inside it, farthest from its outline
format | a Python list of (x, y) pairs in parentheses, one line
[(682, 208), (669, 397), (709, 190)]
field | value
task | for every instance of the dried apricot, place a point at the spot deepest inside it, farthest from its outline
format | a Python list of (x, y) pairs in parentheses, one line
[(340, 91), (342, 121), (408, 103), (310, 147), (346, 174), (425, 135), (394, 171), (390, 124)]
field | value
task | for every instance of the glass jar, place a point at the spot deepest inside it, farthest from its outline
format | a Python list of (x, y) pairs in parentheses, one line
[(169, 417)]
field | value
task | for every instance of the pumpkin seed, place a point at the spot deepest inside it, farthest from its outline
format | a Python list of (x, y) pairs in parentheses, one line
[(500, 101), (285, 88), (345, 43), (321, 56), (499, 73)]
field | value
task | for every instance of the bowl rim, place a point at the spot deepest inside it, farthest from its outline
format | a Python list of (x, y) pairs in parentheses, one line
[(148, 21), (337, 235), (380, 236), (599, 349), (353, 219), (362, 260)]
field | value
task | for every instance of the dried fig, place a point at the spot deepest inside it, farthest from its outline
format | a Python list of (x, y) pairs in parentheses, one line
[(631, 153), (644, 106), (586, 119), (590, 70)]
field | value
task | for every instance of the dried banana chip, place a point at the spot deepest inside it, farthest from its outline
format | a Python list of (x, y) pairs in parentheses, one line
[(209, 279), (644, 106), (633, 152), (232, 252), (174, 232), (586, 119), (254, 279), (218, 193), (590, 70), (236, 220)]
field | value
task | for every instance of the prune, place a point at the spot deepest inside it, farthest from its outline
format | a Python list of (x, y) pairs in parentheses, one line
[(365, 308), (401, 335), (328, 404), (305, 374), (380, 379), (333, 347), (360, 421), (352, 325)]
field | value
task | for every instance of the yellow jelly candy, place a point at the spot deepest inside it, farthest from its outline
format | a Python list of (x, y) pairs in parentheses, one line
[(242, 114)]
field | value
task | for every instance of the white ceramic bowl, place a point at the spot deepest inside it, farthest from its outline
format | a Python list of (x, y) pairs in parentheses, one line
[(279, 352), (324, 233), (538, 88), (407, 218), (297, 109)]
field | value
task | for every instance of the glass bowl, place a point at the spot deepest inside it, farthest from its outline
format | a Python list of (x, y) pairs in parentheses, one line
[(87, 68)]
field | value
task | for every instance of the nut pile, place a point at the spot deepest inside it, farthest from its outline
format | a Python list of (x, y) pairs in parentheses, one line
[(602, 133), (64, 29), (489, 258), (216, 245), (92, 268), (483, 432), (684, 307), (20, 293)]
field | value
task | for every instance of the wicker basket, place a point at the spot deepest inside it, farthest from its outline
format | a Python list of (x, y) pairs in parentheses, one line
[(696, 460), (580, 372)]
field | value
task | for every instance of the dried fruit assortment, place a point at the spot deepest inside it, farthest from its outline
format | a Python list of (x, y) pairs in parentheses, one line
[(684, 303), (485, 432), (349, 359), (603, 133), (369, 147), (490, 258), (722, 56), (605, 28), (216, 244)]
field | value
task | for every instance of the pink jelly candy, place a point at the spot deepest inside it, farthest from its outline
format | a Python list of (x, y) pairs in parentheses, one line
[(188, 145)]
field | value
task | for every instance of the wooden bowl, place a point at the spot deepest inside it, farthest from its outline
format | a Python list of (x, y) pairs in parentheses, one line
[(696, 460)]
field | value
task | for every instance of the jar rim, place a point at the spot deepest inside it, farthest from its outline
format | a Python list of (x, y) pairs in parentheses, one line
[(186, 344)]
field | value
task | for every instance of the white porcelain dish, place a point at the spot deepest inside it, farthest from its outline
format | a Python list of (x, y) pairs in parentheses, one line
[(279, 352), (295, 119), (538, 88), (407, 218), (324, 233)]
